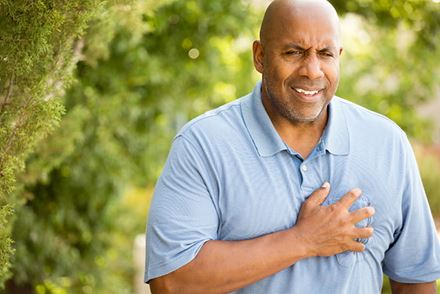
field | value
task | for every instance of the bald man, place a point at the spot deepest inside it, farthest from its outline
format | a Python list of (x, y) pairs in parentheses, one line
[(291, 189)]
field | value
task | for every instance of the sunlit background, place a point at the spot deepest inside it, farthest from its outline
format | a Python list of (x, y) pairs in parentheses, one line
[(147, 67)]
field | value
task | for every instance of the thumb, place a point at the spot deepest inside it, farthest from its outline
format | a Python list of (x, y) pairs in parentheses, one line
[(319, 195)]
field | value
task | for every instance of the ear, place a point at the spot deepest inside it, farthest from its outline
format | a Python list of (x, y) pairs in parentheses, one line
[(258, 53), (340, 51)]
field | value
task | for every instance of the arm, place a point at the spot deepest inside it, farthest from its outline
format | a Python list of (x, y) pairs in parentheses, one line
[(422, 288), (414, 253), (225, 266)]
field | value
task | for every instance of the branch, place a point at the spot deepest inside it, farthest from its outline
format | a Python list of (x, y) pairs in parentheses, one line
[(17, 125), (8, 93), (78, 47), (12, 136)]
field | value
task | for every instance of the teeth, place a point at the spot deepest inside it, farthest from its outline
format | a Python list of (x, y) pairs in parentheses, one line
[(306, 92)]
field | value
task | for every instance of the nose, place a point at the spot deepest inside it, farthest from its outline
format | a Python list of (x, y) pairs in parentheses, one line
[(311, 67)]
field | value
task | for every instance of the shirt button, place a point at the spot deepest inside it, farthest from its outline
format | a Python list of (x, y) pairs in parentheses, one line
[(304, 167)]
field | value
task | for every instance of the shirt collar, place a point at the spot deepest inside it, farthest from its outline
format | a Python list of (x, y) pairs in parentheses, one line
[(267, 140), (265, 137), (336, 137)]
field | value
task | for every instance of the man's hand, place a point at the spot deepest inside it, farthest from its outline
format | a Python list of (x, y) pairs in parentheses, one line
[(329, 230)]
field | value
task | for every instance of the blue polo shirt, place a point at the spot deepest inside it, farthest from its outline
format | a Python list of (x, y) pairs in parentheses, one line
[(229, 176)]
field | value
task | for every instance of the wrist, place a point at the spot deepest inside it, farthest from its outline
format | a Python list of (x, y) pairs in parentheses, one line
[(304, 243)]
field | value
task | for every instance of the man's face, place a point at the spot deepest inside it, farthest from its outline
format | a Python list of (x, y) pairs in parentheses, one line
[(300, 66)]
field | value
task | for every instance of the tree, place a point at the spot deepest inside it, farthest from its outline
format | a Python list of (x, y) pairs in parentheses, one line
[(172, 60), (422, 16), (391, 60), (38, 51)]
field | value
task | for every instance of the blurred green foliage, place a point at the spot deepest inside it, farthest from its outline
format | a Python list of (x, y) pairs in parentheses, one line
[(169, 62), (145, 69), (391, 59), (37, 56), (429, 165), (422, 16)]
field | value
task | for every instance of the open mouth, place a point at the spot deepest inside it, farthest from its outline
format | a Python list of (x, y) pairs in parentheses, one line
[(307, 92), (308, 95)]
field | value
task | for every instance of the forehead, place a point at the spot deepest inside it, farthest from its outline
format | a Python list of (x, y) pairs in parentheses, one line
[(308, 28)]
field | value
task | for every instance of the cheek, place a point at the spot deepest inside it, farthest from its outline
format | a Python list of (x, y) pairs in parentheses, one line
[(279, 70), (332, 74)]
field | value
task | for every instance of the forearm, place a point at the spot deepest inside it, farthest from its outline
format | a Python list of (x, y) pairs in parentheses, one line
[(225, 266), (421, 288)]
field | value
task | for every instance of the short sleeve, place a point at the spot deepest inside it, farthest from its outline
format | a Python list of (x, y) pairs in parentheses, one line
[(414, 256), (182, 215)]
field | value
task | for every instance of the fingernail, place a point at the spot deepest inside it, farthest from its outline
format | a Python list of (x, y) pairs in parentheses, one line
[(357, 191), (326, 185)]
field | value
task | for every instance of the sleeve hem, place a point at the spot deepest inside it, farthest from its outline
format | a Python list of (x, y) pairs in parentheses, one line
[(410, 278), (162, 269)]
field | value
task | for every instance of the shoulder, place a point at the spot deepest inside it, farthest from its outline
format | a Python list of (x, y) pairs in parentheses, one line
[(361, 119), (224, 120)]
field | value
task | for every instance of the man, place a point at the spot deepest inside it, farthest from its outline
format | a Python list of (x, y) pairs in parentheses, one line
[(291, 189)]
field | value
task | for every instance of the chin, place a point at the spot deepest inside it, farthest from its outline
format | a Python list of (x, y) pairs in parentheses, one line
[(304, 117), (304, 120)]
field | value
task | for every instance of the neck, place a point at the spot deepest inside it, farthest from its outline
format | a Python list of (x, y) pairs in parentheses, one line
[(300, 136)]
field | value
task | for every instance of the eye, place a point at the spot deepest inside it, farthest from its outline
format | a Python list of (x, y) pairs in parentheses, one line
[(326, 54), (293, 52)]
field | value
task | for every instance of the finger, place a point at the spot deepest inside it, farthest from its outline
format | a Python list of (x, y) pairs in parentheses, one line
[(361, 214), (319, 195), (356, 246), (348, 199), (362, 233)]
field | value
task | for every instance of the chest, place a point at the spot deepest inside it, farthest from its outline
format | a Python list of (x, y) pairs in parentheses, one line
[(268, 197)]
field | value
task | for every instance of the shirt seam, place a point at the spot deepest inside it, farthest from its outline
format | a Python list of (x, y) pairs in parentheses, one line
[(191, 124)]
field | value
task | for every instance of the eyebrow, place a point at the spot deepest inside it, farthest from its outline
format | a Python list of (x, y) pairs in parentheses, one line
[(294, 46), (327, 48), (299, 47)]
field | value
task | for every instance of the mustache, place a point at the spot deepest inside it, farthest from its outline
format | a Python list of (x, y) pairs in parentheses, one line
[(308, 84)]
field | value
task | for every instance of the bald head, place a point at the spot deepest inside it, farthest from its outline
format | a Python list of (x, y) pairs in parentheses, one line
[(279, 12), (298, 58)]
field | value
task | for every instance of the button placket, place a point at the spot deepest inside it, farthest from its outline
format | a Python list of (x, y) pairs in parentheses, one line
[(304, 167), (305, 184)]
